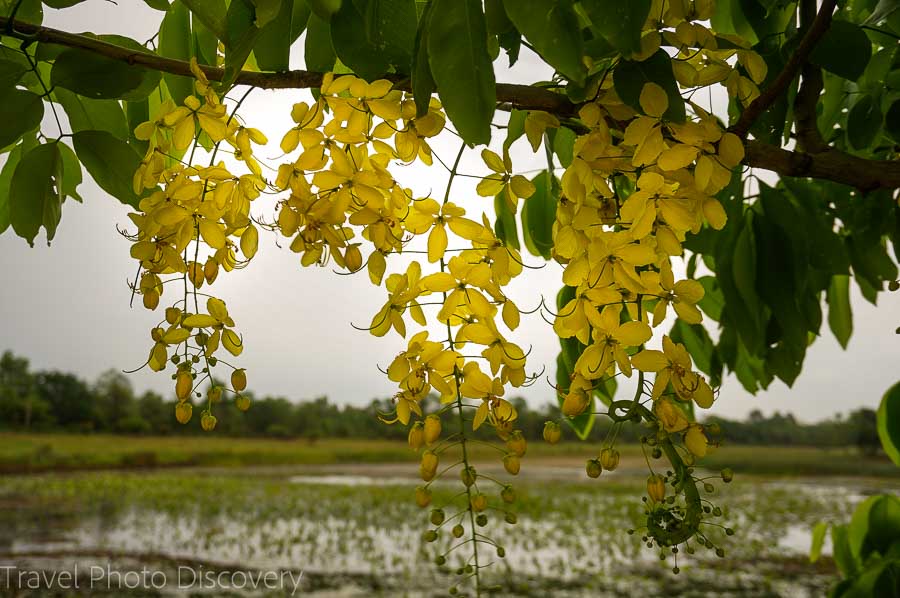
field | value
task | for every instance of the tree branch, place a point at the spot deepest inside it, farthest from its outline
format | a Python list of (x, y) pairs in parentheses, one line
[(768, 97), (525, 97), (829, 164)]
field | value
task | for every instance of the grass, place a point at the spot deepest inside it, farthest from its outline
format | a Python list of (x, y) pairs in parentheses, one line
[(31, 453)]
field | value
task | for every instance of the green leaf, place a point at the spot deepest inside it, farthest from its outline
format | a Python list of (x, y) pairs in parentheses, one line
[(729, 18), (538, 215), (111, 163), (350, 44), (158, 4), (319, 53), (325, 8), (505, 226), (423, 85), (59, 4), (211, 13), (371, 38), (30, 11), (241, 34), (858, 529), (175, 41), (273, 48), (843, 557), (620, 23), (840, 315), (882, 11), (31, 190), (630, 77), (205, 42), (884, 523), (495, 17), (392, 24), (552, 28), (564, 145), (514, 129), (744, 273), (94, 76), (137, 113), (266, 11), (818, 540), (20, 112), (580, 424), (87, 114), (889, 423), (844, 50), (6, 173), (150, 78), (462, 68), (892, 121), (71, 172), (10, 73), (864, 122)]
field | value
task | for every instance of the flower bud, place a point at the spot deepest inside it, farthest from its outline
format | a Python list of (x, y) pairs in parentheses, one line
[(594, 468), (468, 475), (242, 402), (479, 502), (173, 314), (457, 531), (575, 403), (432, 428), (609, 459), (416, 437), (727, 475), (511, 464), (214, 394), (423, 496), (184, 383), (151, 300), (239, 379), (428, 466), (552, 433), (208, 422), (508, 494), (517, 444), (437, 516), (183, 412), (656, 487)]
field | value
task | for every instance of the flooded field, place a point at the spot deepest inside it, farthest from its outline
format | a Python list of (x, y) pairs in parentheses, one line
[(355, 531)]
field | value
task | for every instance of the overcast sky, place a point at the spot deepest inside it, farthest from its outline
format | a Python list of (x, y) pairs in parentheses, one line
[(66, 307)]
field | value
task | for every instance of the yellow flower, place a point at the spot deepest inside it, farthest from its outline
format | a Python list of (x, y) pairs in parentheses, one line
[(682, 295), (502, 182), (673, 364), (610, 340)]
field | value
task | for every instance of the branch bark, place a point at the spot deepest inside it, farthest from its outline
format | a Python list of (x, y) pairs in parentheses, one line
[(800, 56), (830, 164), (525, 97)]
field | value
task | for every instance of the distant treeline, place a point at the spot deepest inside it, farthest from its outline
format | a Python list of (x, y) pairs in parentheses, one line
[(51, 401)]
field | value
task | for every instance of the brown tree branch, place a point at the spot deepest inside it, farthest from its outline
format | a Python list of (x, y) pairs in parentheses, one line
[(525, 97), (830, 164), (809, 138), (800, 56)]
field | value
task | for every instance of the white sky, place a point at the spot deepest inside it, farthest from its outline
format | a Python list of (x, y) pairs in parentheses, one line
[(66, 307)]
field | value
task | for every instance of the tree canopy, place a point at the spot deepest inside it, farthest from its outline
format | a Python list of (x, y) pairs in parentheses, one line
[(641, 172)]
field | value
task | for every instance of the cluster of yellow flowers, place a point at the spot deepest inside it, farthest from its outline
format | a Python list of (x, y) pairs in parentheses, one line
[(342, 204), (343, 197), (193, 207)]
